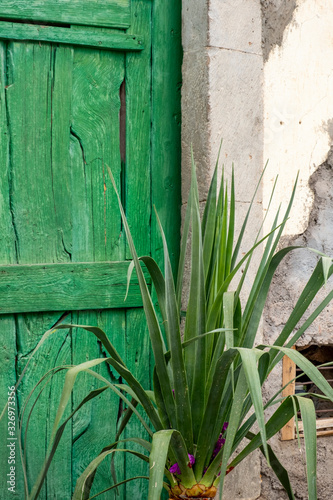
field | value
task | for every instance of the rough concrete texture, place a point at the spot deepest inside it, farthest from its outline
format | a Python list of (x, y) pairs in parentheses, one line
[(289, 453), (233, 25), (292, 275), (277, 15), (287, 285), (242, 483), (194, 104), (195, 122), (235, 82)]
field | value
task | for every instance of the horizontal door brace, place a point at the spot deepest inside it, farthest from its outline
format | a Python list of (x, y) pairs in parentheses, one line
[(80, 36), (67, 287)]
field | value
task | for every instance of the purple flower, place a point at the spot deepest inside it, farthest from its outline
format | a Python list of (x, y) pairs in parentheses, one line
[(220, 442), (192, 460), (174, 469)]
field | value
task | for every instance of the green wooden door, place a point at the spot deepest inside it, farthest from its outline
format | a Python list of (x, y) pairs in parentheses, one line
[(83, 85)]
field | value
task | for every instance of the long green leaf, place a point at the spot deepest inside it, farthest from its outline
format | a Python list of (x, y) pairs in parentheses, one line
[(249, 362), (152, 321), (255, 313), (195, 355), (215, 309), (183, 247), (234, 421), (139, 391), (48, 376), (39, 483), (243, 228), (266, 249), (280, 417), (316, 281), (280, 472), (308, 368), (308, 414), (207, 439), (181, 389), (83, 486), (208, 223), (100, 334), (118, 484), (45, 336), (268, 255), (157, 460)]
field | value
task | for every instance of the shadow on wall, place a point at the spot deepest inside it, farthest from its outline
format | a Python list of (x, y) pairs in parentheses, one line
[(276, 16)]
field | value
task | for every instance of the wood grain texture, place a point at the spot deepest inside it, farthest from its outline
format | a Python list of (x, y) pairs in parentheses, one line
[(95, 425), (8, 346), (97, 77), (166, 122), (139, 212), (60, 127), (59, 287), (87, 12), (138, 359), (288, 374), (324, 427), (137, 167), (101, 40), (35, 210), (97, 237)]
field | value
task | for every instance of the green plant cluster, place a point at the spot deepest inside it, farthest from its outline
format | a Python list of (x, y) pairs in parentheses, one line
[(207, 394)]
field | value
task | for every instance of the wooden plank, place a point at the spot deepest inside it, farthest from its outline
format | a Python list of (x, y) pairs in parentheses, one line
[(321, 423), (95, 425), (8, 346), (97, 236), (95, 144), (166, 122), (137, 165), (88, 12), (138, 211), (101, 40), (288, 374), (138, 359), (61, 68), (61, 101), (70, 286), (36, 213)]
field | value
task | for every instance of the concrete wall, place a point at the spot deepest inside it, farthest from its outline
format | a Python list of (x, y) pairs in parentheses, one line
[(258, 73)]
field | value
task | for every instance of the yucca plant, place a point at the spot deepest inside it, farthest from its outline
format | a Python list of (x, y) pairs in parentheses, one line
[(207, 383)]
